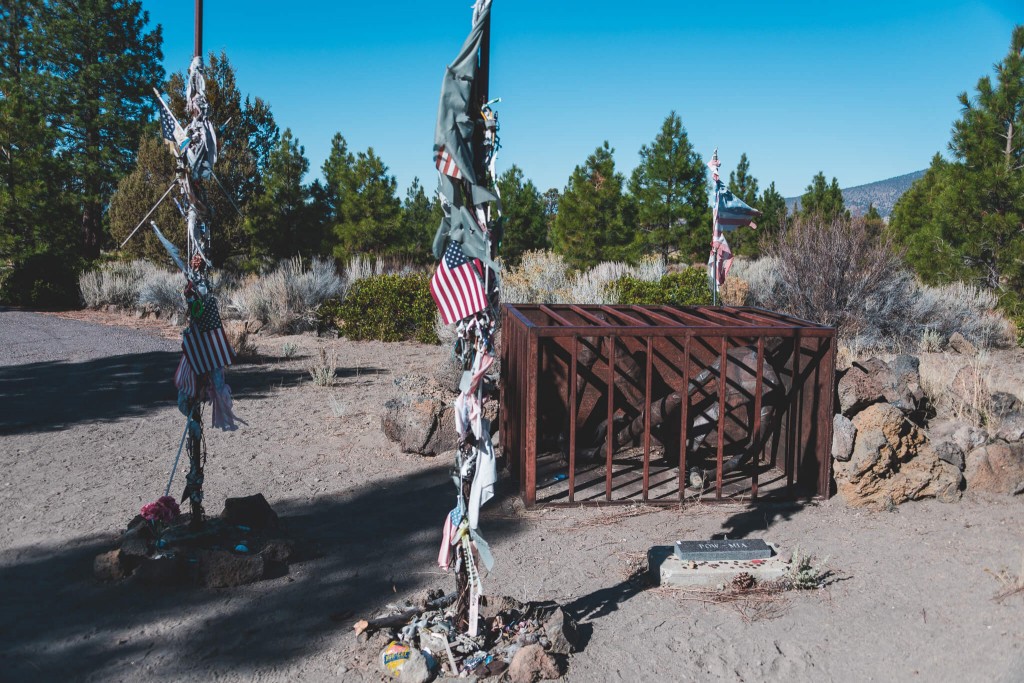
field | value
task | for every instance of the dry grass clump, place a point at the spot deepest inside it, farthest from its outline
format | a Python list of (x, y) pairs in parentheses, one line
[(959, 307), (1010, 584), (240, 338), (323, 368), (287, 298)]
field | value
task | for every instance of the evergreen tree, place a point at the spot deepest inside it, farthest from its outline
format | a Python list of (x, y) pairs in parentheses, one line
[(137, 192), (420, 218), (963, 219), (524, 212), (368, 214), (741, 183), (590, 226), (873, 221), (106, 64), (279, 219), (773, 211), (670, 188), (823, 199), (35, 208), (745, 241)]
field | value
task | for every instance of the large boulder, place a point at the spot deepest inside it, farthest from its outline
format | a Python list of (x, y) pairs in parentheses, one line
[(892, 462), (420, 424), (996, 468), (858, 390), (959, 344)]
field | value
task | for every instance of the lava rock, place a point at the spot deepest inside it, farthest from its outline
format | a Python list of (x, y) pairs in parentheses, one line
[(561, 632), (1011, 428), (221, 569), (843, 435), (251, 511), (959, 343), (420, 425), (277, 550), (858, 390), (892, 462), (1004, 403), (137, 541), (996, 468), (531, 664), (159, 571), (108, 566), (415, 669)]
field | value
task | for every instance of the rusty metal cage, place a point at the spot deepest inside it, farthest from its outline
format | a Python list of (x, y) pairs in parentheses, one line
[(623, 404)]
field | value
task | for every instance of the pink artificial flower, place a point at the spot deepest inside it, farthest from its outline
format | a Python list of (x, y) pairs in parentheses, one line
[(165, 509)]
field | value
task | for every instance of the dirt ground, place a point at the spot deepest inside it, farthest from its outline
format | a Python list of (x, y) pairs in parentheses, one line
[(88, 433)]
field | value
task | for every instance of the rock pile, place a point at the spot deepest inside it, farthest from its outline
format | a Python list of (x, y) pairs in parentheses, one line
[(889, 446), (243, 545), (518, 642)]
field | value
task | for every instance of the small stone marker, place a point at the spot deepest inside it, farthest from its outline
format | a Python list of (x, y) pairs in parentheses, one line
[(706, 551)]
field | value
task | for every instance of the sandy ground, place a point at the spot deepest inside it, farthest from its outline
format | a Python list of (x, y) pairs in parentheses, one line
[(88, 432)]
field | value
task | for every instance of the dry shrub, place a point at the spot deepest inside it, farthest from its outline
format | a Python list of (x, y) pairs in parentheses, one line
[(114, 284), (734, 292), (836, 272), (239, 336), (963, 308), (324, 367), (287, 298), (537, 279)]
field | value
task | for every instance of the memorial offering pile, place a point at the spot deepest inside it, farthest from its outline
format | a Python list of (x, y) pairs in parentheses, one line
[(162, 547), (525, 642)]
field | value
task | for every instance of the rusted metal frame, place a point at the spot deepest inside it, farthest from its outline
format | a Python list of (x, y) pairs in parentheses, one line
[(825, 476), (794, 408), (647, 419), (723, 370), (687, 317), (755, 439), (514, 310), (808, 326), (608, 310), (524, 405), (554, 316), (756, 315), (572, 419), (503, 385), (589, 316), (657, 316), (629, 331), (610, 439), (533, 349), (684, 410), (726, 319)]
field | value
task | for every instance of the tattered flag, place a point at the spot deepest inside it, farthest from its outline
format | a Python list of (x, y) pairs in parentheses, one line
[(456, 286)]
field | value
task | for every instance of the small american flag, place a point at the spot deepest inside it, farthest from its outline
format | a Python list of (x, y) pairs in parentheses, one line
[(184, 379), (446, 164), (456, 286), (205, 345), (167, 125)]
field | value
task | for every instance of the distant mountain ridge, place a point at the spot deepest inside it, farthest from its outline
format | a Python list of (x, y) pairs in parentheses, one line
[(882, 193)]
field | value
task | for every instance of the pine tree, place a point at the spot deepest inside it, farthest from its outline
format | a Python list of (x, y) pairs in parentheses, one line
[(823, 199), (741, 183), (420, 218), (590, 226), (964, 218), (744, 241), (106, 64), (773, 211), (670, 189), (368, 215), (524, 213), (279, 219)]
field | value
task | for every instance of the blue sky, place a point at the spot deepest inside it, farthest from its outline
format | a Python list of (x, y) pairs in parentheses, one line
[(862, 91)]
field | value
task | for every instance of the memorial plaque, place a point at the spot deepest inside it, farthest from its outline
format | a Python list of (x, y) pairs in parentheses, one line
[(740, 549)]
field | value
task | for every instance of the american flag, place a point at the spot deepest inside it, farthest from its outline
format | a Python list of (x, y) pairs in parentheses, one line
[(456, 286), (167, 125), (724, 263), (184, 379), (446, 164), (205, 345)]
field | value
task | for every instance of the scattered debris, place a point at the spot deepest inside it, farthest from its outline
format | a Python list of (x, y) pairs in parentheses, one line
[(528, 640)]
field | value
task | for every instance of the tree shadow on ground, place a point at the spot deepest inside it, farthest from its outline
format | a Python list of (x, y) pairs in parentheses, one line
[(52, 395), (367, 546)]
